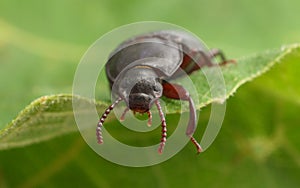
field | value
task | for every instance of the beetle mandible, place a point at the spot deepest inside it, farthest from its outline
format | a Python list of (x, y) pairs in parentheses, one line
[(139, 68)]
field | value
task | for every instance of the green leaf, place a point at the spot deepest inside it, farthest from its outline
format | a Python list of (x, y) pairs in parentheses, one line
[(44, 118), (51, 116), (258, 145)]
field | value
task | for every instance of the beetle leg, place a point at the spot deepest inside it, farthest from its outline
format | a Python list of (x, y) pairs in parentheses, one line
[(149, 118), (215, 52), (190, 66), (122, 118), (102, 119), (163, 128), (175, 91)]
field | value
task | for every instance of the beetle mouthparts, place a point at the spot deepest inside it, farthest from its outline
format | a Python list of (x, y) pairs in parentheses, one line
[(149, 123)]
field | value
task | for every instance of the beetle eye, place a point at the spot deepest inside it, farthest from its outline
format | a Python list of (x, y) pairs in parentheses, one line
[(156, 87), (157, 90)]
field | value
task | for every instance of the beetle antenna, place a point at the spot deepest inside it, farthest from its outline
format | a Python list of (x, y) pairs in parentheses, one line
[(122, 118), (102, 119), (163, 128)]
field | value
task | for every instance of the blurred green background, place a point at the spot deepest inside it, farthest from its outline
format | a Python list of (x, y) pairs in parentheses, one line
[(41, 43)]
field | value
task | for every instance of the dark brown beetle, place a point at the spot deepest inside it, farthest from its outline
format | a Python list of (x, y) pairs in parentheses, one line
[(139, 71)]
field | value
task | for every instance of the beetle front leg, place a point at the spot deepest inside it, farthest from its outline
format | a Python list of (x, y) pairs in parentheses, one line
[(175, 91)]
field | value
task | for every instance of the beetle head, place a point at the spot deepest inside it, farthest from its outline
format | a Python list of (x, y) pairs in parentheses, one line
[(140, 88), (143, 94)]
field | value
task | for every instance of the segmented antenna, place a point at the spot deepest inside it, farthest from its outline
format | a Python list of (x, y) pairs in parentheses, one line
[(163, 128), (102, 119)]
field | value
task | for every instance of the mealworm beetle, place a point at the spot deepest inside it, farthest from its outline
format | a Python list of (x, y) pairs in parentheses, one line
[(140, 67)]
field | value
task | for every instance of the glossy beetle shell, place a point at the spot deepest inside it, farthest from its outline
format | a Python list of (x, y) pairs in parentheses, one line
[(167, 48)]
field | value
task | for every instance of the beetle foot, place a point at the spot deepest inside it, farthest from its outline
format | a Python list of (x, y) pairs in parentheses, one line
[(226, 62), (149, 118)]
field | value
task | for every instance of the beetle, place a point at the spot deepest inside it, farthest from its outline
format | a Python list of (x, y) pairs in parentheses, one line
[(139, 71)]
